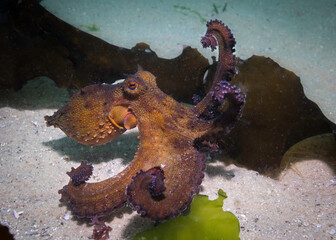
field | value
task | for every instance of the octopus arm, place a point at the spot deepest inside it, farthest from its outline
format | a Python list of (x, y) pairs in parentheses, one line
[(224, 102), (168, 185), (165, 185), (217, 34), (226, 120), (97, 199)]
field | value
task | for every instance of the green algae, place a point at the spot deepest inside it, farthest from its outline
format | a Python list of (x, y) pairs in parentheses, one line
[(206, 220), (202, 19), (93, 27), (215, 8)]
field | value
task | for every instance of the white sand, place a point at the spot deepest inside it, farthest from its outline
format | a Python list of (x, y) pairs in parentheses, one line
[(34, 158)]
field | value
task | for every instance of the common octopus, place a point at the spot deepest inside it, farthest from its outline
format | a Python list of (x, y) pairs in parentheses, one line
[(167, 169)]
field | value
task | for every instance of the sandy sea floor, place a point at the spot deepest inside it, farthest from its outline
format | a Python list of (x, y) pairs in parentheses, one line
[(34, 158)]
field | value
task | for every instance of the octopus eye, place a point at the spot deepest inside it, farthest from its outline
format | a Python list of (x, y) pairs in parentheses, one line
[(132, 85)]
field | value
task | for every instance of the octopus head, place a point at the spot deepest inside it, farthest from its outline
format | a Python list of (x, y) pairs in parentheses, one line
[(94, 115)]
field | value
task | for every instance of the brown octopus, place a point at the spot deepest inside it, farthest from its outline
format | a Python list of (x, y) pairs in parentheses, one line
[(167, 169)]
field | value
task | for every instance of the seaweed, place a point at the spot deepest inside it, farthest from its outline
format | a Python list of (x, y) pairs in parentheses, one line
[(93, 27), (202, 19), (215, 8), (206, 220), (224, 7)]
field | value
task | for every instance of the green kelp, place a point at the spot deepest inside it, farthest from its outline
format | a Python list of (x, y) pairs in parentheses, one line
[(206, 220)]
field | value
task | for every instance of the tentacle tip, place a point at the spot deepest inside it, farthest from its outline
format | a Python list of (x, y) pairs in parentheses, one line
[(209, 41), (100, 230), (156, 185), (64, 194), (152, 179), (61, 191), (81, 174), (215, 21)]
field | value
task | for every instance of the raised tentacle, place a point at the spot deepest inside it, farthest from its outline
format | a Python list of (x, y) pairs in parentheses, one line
[(224, 102), (219, 35)]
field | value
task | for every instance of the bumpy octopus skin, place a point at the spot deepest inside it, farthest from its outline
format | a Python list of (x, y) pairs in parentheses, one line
[(167, 169)]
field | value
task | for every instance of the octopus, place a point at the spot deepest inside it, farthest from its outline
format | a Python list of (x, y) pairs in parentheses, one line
[(167, 169)]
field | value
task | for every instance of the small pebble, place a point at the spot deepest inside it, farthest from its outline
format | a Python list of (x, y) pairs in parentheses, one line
[(332, 231), (66, 217), (65, 158), (17, 214)]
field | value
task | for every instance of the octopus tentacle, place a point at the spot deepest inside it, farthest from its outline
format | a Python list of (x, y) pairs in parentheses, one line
[(226, 42), (101, 198), (219, 35), (163, 205), (100, 230), (156, 185), (81, 174), (224, 91), (145, 190)]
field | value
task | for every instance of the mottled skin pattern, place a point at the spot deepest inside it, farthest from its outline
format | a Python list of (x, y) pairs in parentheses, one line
[(167, 169)]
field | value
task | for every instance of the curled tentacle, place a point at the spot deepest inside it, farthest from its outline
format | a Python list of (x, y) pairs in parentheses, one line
[(149, 183), (160, 197), (100, 230), (97, 199), (219, 35), (223, 124), (225, 92), (156, 184), (224, 102), (81, 174), (226, 42)]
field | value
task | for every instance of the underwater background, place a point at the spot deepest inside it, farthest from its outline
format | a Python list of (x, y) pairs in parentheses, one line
[(299, 35)]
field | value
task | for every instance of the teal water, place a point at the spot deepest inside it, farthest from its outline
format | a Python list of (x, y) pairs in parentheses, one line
[(299, 35)]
